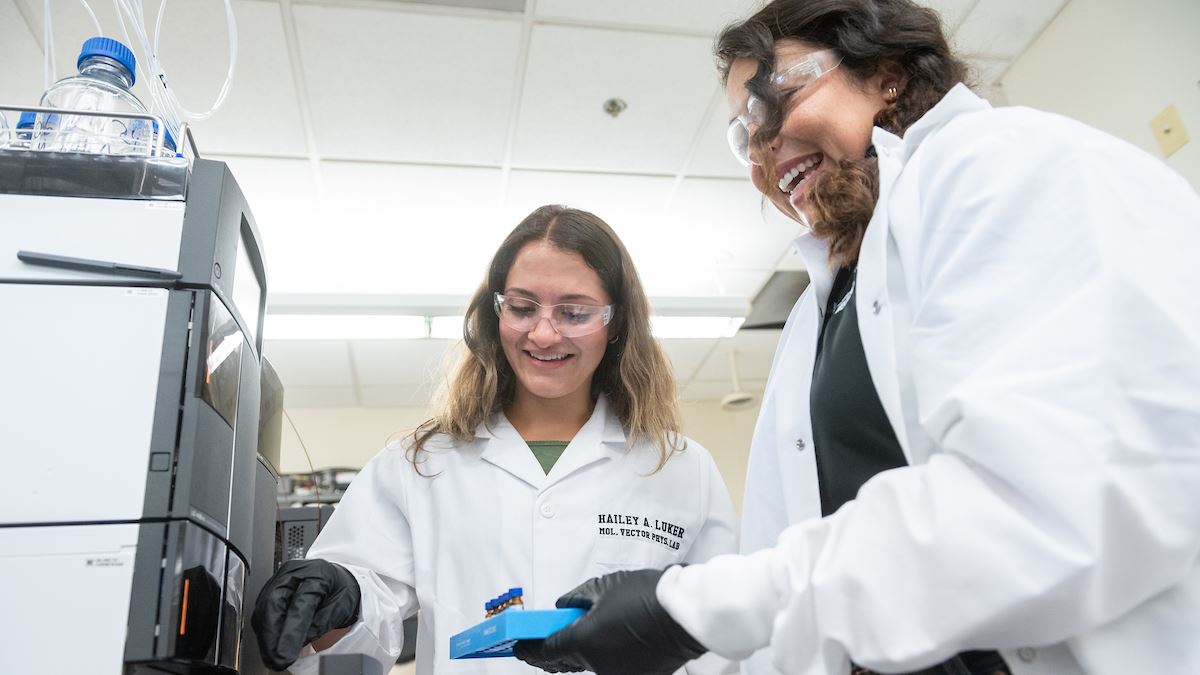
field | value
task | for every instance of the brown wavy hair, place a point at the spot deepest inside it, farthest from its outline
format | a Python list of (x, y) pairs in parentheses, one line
[(868, 35), (634, 374)]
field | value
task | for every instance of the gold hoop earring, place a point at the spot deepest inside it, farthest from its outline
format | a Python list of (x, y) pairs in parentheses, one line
[(892, 95)]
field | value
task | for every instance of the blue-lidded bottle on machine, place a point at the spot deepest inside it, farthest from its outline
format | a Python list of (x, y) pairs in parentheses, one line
[(23, 136), (104, 84)]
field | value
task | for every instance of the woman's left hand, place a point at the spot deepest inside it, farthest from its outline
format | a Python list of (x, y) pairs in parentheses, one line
[(626, 630)]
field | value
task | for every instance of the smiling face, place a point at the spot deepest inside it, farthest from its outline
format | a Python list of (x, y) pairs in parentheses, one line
[(827, 121), (547, 365)]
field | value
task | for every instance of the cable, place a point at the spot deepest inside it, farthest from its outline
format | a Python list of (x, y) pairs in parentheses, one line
[(311, 469), (95, 22), (48, 65), (231, 23), (165, 102)]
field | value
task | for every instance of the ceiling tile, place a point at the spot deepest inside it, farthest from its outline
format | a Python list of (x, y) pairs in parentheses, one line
[(701, 16), (755, 350), (310, 363), (687, 354), (319, 397), (951, 11), (392, 85), (262, 113), (712, 156), (721, 223), (666, 81), (401, 362), (1004, 28), (408, 229), (630, 204), (282, 196), (741, 283)]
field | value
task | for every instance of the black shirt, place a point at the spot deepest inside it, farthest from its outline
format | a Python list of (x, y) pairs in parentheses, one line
[(851, 433), (852, 436)]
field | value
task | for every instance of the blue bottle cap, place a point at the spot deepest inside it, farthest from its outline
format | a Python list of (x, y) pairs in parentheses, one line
[(489, 605), (516, 592), (27, 121), (102, 46)]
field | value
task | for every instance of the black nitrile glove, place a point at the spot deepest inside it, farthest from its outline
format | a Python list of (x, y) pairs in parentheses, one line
[(625, 632), (303, 601)]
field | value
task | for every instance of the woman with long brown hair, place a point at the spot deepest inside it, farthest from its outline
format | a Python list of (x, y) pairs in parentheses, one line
[(555, 456), (979, 451)]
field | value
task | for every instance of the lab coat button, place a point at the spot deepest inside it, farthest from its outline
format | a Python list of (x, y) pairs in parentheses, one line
[(800, 444), (1027, 654), (876, 306), (547, 510)]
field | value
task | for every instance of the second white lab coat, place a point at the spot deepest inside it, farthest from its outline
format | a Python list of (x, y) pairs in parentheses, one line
[(488, 518), (1029, 303)]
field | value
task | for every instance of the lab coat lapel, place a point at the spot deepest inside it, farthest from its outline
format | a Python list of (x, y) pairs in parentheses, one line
[(875, 311), (505, 449), (600, 438), (787, 395)]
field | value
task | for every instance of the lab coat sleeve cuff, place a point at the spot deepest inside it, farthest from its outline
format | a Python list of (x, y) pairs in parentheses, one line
[(380, 629), (379, 632), (358, 640), (730, 603)]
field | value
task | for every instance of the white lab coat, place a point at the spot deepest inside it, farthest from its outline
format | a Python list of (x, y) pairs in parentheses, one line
[(1029, 301), (491, 519)]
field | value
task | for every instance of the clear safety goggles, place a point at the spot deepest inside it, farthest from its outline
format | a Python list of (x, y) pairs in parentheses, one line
[(568, 320), (789, 82)]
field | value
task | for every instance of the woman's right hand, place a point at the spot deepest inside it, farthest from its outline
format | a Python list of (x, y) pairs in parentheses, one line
[(305, 600)]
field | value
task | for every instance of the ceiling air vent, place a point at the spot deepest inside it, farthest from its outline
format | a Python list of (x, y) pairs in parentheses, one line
[(771, 307)]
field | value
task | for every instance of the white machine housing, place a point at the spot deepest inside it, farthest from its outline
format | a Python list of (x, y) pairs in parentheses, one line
[(139, 519)]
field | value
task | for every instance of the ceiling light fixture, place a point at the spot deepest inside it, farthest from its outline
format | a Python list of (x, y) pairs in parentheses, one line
[(345, 327), (412, 317), (392, 327), (668, 327)]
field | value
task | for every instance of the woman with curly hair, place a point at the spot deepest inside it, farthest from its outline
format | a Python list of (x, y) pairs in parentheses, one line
[(979, 451)]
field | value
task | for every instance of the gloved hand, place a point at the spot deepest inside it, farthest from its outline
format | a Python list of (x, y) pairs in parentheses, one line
[(303, 601), (625, 632)]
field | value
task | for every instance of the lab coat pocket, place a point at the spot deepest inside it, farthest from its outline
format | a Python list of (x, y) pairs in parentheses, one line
[(633, 549)]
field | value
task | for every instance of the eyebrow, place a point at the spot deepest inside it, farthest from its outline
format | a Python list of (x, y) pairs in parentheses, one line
[(570, 298)]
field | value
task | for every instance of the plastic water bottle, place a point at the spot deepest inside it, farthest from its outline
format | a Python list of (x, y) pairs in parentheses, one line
[(106, 75)]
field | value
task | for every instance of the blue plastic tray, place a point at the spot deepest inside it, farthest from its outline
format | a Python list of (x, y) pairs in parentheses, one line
[(495, 636)]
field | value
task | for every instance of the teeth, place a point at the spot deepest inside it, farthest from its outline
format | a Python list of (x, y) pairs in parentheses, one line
[(787, 179), (550, 357), (785, 183)]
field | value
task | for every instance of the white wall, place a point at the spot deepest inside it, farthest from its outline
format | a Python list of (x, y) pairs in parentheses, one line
[(351, 436), (1115, 64)]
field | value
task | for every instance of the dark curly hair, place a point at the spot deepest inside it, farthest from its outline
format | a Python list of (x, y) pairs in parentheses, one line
[(867, 34)]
